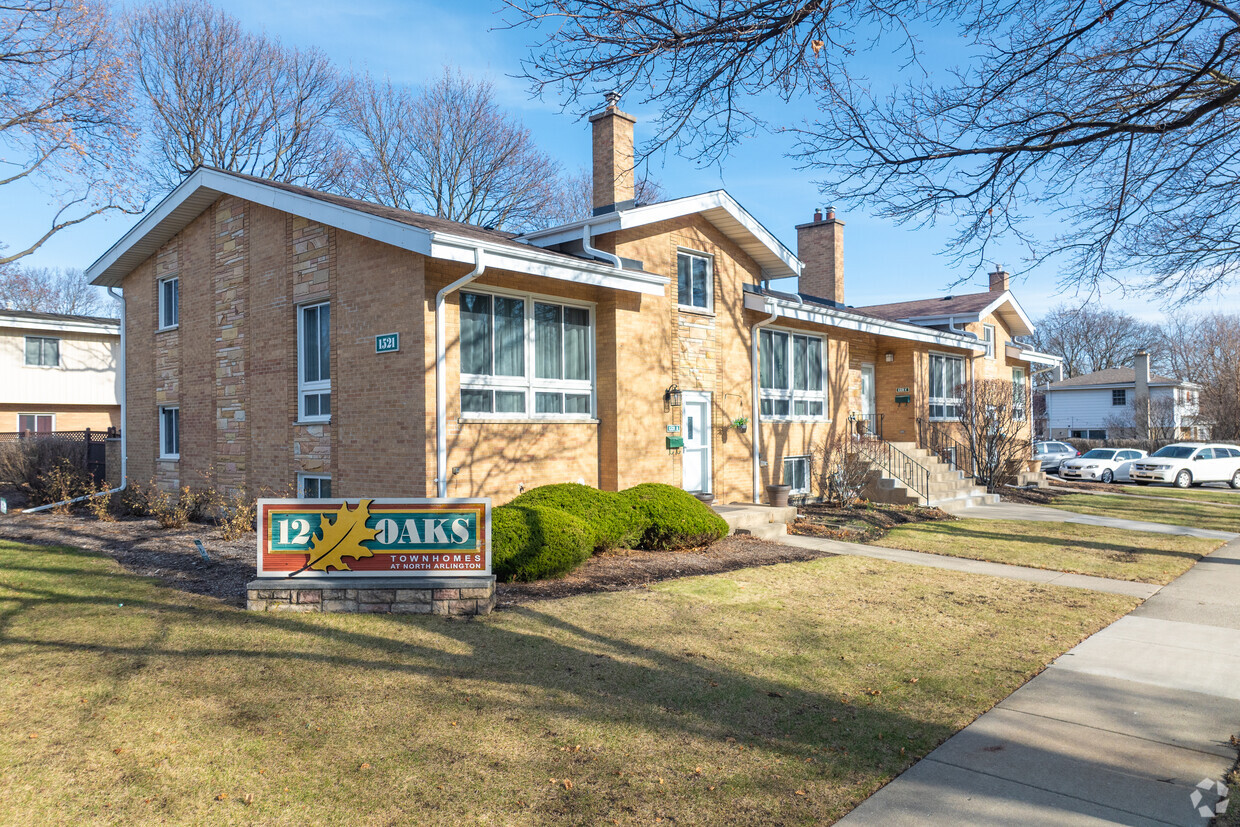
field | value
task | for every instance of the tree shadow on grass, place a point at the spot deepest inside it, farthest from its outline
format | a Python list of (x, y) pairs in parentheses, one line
[(964, 533)]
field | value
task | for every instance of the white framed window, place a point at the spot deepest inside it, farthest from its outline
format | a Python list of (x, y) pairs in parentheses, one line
[(796, 474), (694, 280), (946, 377), (42, 351), (792, 375), (988, 339), (314, 487), (314, 363), (1119, 397), (169, 433), (1019, 406), (526, 356), (169, 303), (36, 423)]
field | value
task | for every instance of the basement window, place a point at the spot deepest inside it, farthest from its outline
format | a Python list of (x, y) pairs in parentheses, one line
[(314, 487), (792, 375), (796, 474), (523, 357)]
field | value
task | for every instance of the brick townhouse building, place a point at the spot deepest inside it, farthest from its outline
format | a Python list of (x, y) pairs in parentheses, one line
[(277, 336)]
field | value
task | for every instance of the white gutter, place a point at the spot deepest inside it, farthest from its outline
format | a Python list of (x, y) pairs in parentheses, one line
[(441, 379), (120, 375), (591, 251), (756, 403)]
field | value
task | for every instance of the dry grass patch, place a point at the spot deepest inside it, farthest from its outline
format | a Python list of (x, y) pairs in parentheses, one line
[(1120, 554), (1180, 512), (778, 695)]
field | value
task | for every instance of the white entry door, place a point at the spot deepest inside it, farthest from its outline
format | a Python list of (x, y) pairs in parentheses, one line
[(695, 429), (867, 390)]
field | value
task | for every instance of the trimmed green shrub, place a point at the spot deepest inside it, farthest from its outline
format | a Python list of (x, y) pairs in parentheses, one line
[(616, 522), (672, 518), (536, 541)]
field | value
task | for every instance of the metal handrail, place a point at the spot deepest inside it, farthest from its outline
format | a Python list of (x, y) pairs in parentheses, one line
[(867, 424), (896, 463)]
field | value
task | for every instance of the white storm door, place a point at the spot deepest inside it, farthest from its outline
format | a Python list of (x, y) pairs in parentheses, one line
[(867, 390), (695, 429)]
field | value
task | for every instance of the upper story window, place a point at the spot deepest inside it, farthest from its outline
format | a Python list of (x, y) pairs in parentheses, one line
[(946, 377), (314, 364), (169, 303), (522, 356), (169, 433), (1018, 394), (988, 339), (694, 281), (792, 375), (42, 351), (1119, 396)]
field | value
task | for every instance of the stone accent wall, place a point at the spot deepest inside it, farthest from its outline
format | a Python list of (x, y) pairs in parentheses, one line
[(232, 289), (368, 600)]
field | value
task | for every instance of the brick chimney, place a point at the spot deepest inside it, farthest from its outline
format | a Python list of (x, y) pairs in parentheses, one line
[(1141, 394), (613, 158), (820, 246), (1000, 280)]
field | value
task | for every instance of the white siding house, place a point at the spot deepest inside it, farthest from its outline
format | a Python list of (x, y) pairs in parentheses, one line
[(1101, 406), (58, 372)]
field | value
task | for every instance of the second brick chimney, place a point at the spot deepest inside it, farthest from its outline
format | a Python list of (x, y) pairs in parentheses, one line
[(820, 246), (613, 158), (1000, 280)]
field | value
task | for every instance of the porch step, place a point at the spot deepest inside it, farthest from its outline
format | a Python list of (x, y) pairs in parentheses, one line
[(763, 521), (947, 488)]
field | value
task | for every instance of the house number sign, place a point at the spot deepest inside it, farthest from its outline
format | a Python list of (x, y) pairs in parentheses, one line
[(387, 343)]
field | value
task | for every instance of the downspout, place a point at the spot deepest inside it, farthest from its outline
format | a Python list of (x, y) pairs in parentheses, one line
[(591, 251), (120, 373), (441, 379), (756, 402)]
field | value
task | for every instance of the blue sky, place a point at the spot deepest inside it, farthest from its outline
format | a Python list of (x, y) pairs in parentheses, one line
[(412, 41)]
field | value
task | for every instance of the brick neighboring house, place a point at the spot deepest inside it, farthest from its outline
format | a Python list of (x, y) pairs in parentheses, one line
[(58, 372), (253, 310)]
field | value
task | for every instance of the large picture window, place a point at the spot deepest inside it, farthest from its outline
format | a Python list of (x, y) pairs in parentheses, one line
[(792, 375), (42, 351), (693, 281), (314, 364), (522, 356), (946, 377)]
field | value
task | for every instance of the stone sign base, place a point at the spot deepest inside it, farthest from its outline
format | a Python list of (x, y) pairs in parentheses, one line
[(397, 595)]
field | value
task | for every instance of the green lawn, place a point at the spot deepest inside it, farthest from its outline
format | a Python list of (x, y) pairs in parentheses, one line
[(1218, 495), (783, 694), (1106, 552), (1196, 514)]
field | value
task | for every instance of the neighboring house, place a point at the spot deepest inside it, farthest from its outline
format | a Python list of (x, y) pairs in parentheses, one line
[(1108, 404), (279, 336), (58, 372)]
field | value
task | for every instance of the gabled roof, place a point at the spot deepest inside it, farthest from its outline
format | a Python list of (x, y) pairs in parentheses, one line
[(972, 307), (425, 234), (34, 320), (717, 207), (1113, 376)]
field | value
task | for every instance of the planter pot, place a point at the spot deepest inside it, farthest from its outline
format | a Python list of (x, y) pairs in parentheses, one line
[(705, 497), (777, 495), (742, 428), (1033, 465)]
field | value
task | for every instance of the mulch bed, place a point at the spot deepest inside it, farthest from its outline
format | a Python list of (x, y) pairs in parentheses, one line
[(142, 547), (622, 569), (862, 523)]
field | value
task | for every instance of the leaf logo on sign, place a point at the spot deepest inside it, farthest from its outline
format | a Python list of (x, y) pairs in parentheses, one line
[(342, 537)]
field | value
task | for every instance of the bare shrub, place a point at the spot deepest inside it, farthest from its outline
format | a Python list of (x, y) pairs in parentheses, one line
[(65, 482), (994, 436), (100, 504), (25, 465), (839, 469)]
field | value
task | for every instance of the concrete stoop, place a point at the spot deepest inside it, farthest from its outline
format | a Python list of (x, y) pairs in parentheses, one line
[(949, 490), (762, 521)]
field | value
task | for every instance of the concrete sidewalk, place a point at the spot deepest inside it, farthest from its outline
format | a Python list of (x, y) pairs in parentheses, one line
[(942, 561), (1043, 514), (1119, 730)]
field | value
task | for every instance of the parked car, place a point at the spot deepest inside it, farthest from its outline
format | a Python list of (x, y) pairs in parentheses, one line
[(1190, 463), (1053, 453), (1102, 464)]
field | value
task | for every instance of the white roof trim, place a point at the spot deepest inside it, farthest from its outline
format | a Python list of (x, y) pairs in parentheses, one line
[(816, 314), (25, 323), (777, 262), (203, 186), (1033, 356)]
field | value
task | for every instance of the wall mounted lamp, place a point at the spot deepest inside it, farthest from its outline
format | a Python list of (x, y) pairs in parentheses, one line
[(671, 397), (891, 357)]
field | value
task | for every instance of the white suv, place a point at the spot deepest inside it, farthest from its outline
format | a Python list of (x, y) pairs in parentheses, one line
[(1189, 463)]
